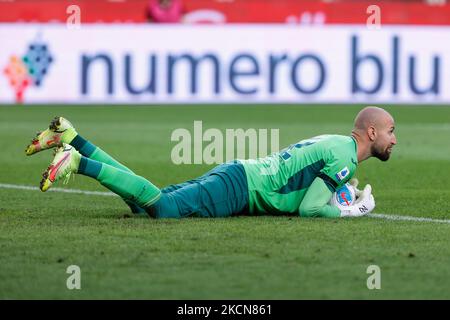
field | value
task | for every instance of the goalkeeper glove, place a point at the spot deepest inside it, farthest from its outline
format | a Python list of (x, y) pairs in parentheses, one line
[(364, 203), (354, 182)]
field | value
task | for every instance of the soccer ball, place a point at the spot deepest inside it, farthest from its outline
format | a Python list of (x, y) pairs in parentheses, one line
[(344, 196)]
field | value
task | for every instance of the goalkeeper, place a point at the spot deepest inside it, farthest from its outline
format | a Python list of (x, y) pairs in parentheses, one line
[(298, 180)]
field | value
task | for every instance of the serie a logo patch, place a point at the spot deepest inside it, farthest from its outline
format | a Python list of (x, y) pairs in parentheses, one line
[(341, 175)]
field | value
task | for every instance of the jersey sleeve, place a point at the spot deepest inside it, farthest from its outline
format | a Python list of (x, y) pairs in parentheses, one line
[(338, 169), (315, 202)]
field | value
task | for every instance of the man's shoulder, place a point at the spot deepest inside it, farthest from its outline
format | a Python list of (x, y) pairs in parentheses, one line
[(335, 142), (337, 138), (342, 147)]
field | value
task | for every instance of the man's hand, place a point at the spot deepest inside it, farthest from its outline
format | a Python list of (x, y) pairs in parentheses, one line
[(364, 203), (354, 182)]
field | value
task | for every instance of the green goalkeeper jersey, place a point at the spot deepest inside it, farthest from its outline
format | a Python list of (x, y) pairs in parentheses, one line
[(278, 183)]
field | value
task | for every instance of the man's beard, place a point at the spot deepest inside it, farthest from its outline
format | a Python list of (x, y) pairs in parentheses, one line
[(383, 155)]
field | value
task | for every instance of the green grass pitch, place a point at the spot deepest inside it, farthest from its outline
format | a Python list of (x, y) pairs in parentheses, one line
[(234, 258)]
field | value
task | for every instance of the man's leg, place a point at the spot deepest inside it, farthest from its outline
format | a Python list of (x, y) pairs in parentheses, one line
[(89, 150), (61, 131), (221, 192), (127, 185)]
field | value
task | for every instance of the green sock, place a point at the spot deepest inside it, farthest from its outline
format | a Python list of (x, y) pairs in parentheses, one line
[(91, 151), (101, 156), (129, 186)]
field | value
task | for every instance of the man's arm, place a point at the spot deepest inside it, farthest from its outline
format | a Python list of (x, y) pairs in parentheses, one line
[(315, 202)]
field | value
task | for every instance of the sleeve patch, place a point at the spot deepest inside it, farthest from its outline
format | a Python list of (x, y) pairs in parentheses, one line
[(341, 175)]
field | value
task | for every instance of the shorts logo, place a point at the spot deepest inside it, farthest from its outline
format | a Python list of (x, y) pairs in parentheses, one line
[(341, 175), (28, 70)]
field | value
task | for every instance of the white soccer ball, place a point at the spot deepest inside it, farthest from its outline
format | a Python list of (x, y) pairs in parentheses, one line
[(344, 196)]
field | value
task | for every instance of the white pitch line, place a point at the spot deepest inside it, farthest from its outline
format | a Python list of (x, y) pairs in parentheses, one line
[(110, 194), (406, 218), (90, 193)]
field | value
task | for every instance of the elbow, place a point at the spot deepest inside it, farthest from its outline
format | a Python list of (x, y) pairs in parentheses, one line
[(308, 211)]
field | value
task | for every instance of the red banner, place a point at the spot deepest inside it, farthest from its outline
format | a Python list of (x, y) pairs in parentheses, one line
[(229, 11)]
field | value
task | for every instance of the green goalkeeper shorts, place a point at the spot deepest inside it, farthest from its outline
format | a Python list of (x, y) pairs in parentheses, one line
[(221, 192)]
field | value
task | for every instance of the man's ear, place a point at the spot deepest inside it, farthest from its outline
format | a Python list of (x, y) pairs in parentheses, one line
[(372, 133)]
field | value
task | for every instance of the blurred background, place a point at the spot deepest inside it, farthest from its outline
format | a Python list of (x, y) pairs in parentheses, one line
[(398, 12), (232, 51)]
